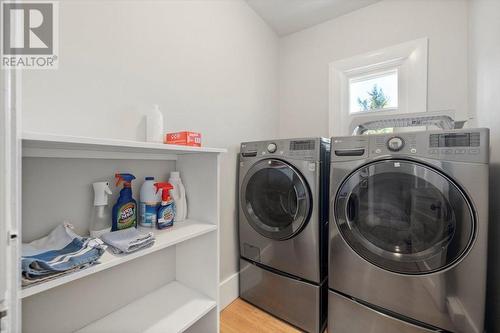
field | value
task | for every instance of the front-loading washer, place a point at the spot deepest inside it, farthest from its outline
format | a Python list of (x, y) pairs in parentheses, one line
[(408, 232), (283, 228)]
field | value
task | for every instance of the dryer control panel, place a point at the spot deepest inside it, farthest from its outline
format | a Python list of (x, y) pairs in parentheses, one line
[(303, 149), (465, 145)]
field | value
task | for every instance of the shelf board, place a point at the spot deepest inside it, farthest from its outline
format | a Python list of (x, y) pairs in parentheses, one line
[(181, 231), (170, 309), (63, 146)]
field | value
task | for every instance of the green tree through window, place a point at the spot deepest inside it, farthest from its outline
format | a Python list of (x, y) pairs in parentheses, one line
[(377, 100)]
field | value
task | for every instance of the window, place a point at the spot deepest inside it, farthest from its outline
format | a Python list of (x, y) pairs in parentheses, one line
[(376, 92), (384, 83)]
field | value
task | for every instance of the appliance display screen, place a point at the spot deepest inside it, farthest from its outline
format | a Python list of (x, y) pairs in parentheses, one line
[(454, 140), (302, 145)]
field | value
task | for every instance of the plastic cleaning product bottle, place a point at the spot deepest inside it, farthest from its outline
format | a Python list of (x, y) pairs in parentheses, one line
[(125, 208), (178, 193), (149, 202), (166, 211), (154, 125), (100, 221)]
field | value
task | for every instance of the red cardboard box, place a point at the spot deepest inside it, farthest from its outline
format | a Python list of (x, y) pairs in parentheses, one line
[(185, 138)]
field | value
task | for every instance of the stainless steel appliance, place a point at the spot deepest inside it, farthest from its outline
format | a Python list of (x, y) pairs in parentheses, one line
[(283, 229), (408, 237)]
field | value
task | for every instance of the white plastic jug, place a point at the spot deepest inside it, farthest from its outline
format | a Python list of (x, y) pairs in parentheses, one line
[(179, 196), (154, 125), (148, 203)]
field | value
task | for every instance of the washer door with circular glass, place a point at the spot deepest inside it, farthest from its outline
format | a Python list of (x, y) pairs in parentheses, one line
[(275, 199), (404, 217)]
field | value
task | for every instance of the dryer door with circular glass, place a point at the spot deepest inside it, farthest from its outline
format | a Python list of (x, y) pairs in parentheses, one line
[(405, 217), (275, 199)]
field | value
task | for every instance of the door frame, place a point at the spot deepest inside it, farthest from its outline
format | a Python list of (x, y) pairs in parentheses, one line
[(10, 199)]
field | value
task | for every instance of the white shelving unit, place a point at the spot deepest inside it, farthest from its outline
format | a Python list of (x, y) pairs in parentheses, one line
[(169, 287), (52, 145), (174, 308), (180, 232)]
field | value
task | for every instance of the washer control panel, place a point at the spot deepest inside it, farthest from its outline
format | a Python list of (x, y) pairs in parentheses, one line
[(467, 145), (271, 148), (395, 144), (451, 140)]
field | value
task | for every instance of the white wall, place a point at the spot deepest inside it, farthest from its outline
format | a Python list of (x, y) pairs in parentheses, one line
[(210, 65), (484, 74), (305, 55)]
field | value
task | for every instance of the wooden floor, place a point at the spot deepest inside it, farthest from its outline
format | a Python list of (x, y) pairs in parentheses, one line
[(241, 317)]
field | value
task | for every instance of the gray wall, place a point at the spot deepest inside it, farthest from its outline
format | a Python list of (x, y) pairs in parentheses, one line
[(484, 87)]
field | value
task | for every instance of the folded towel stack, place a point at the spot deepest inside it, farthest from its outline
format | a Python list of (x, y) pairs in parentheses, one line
[(60, 252), (128, 240)]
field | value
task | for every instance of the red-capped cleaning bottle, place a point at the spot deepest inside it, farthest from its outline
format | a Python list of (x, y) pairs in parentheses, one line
[(166, 211)]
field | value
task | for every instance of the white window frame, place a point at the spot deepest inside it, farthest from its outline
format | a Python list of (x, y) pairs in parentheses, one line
[(409, 59)]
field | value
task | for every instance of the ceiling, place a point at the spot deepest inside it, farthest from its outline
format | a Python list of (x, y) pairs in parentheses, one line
[(288, 16)]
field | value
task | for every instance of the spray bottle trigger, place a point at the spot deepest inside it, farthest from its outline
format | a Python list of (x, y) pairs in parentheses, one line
[(119, 179), (165, 187), (107, 190)]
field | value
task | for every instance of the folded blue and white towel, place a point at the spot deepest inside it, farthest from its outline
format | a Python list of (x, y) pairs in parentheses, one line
[(59, 252), (128, 240)]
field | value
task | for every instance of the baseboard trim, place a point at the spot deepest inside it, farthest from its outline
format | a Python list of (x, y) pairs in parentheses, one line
[(229, 290)]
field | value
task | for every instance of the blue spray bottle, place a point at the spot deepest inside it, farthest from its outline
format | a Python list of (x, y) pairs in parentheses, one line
[(125, 208)]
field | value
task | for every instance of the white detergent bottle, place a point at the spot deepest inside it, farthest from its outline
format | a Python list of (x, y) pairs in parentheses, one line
[(149, 202), (100, 221), (178, 193), (154, 125)]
